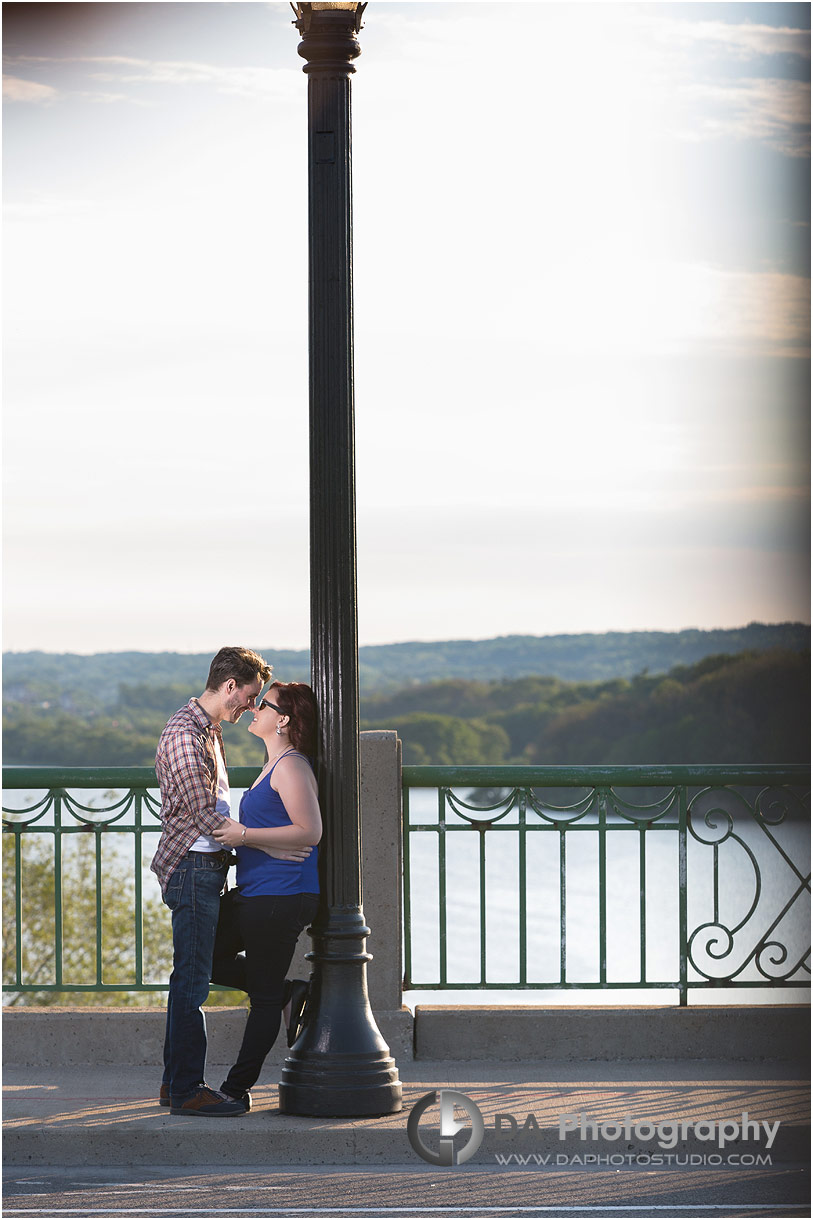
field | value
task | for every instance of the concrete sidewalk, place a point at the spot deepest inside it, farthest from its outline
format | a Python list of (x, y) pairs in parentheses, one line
[(109, 1116)]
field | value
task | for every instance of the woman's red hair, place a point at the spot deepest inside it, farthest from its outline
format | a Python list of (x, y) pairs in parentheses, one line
[(298, 702)]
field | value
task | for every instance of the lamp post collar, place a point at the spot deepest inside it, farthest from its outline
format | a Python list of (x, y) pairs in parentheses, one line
[(329, 38)]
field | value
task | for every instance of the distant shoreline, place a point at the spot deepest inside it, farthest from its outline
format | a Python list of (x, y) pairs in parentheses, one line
[(575, 657)]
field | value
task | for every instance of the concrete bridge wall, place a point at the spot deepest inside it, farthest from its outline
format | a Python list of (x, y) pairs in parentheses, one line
[(65, 1037)]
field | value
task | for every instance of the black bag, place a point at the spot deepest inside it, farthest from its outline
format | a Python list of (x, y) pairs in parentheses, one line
[(228, 961)]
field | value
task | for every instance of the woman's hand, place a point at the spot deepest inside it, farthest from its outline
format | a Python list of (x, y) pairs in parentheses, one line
[(294, 854), (229, 833)]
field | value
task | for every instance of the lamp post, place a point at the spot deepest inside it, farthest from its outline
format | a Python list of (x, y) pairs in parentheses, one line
[(340, 1065)]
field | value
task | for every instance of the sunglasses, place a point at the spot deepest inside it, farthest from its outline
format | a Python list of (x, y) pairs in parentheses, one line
[(267, 703)]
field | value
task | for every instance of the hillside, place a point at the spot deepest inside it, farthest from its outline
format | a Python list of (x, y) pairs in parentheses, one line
[(750, 708), (753, 707), (92, 681)]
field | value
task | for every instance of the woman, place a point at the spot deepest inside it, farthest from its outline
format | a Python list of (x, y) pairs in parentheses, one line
[(276, 898)]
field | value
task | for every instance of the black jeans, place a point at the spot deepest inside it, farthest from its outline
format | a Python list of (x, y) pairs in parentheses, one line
[(267, 927)]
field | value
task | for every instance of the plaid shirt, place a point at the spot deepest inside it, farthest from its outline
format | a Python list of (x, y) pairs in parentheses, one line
[(186, 766)]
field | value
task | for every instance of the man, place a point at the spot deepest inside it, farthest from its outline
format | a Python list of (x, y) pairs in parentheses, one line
[(191, 867)]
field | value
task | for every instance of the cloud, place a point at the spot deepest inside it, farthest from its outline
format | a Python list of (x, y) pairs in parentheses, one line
[(621, 304), (107, 98), (17, 90), (743, 41), (766, 313), (710, 102), (636, 67), (775, 112), (127, 70), (46, 208), (676, 68)]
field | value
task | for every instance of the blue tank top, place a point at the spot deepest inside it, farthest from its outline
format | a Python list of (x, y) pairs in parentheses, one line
[(258, 873)]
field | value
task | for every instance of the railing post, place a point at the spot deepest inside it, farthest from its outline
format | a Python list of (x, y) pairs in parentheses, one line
[(382, 859), (407, 899), (138, 921), (442, 938), (521, 797), (682, 897), (642, 899), (18, 903), (562, 905), (602, 884), (57, 889), (97, 845)]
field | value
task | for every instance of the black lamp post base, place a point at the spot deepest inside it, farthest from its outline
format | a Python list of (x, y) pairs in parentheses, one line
[(328, 1086), (340, 1066)]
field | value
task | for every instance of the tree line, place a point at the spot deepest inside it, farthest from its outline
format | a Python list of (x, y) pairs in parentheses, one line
[(752, 707), (30, 676)]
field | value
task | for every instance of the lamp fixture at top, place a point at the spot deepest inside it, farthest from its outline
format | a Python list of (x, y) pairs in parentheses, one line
[(304, 10)]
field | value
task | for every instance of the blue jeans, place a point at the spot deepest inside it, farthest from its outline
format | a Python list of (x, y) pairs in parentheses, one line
[(193, 897)]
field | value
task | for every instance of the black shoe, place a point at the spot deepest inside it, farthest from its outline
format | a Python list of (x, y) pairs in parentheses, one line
[(245, 1098), (298, 994), (206, 1103)]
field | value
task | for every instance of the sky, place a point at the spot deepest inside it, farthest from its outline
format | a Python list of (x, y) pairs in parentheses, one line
[(581, 321)]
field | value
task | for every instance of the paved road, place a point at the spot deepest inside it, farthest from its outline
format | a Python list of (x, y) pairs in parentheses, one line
[(391, 1192)]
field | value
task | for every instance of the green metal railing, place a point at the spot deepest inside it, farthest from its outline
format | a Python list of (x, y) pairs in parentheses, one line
[(51, 821), (533, 822), (710, 864)]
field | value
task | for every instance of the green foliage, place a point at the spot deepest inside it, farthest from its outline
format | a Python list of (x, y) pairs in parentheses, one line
[(33, 676), (142, 697), (445, 740), (126, 735), (48, 737), (748, 707), (79, 923)]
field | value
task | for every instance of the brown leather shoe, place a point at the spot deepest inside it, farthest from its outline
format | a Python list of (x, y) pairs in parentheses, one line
[(163, 1095), (206, 1103)]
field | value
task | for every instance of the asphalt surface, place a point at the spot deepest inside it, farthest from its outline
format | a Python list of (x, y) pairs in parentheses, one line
[(93, 1142), (395, 1191)]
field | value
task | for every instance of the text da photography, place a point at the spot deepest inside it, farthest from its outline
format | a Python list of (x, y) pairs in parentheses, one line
[(447, 1128)]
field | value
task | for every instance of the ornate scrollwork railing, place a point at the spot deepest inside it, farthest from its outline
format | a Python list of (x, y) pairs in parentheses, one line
[(562, 878), (680, 878)]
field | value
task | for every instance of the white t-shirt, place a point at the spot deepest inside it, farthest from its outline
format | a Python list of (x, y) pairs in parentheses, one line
[(223, 805)]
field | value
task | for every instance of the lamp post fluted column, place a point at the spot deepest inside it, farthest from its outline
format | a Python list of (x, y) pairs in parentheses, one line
[(340, 1064)]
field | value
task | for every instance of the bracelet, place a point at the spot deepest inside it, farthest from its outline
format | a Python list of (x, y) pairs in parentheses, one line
[(243, 836)]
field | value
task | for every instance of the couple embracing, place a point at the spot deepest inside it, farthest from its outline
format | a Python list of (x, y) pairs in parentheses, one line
[(248, 941)]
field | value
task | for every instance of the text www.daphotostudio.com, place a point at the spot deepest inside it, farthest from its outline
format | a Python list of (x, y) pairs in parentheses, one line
[(584, 1140)]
